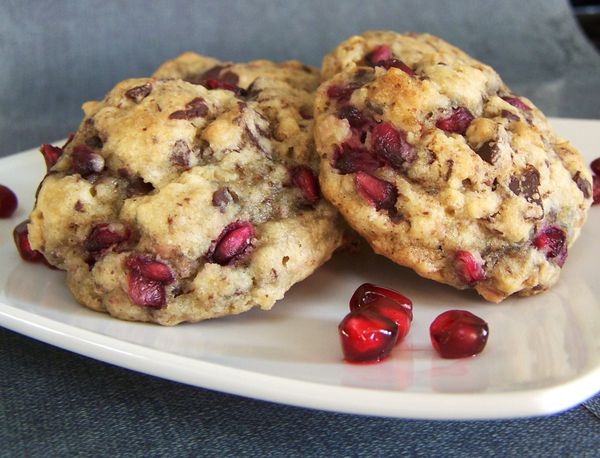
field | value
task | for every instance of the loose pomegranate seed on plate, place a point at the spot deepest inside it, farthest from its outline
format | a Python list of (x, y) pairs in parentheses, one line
[(366, 336), (392, 310), (8, 202), (367, 292), (458, 334), (20, 235)]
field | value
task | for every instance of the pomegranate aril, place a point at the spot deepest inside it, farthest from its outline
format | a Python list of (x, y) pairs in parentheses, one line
[(145, 292), (341, 93), (354, 116), (51, 153), (469, 267), (234, 242), (552, 241), (458, 334), (596, 190), (150, 268), (390, 309), (351, 160), (379, 193), (304, 179), (378, 54), (86, 162), (390, 145), (8, 202), (396, 63), (366, 336), (457, 122), (221, 84), (20, 235), (106, 235), (517, 103), (367, 293), (595, 166)]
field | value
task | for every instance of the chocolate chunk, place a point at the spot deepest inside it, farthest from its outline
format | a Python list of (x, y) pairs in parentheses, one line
[(180, 154), (193, 109), (139, 93), (584, 185), (527, 185), (79, 207), (489, 152), (450, 164), (221, 198)]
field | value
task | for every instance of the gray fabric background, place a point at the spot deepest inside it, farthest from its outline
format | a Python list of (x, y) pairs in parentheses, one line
[(56, 54)]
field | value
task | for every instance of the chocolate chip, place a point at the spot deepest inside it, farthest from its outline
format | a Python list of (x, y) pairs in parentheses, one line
[(180, 154), (79, 207), (527, 185), (584, 185), (221, 198), (489, 152), (450, 164), (193, 109), (139, 93), (94, 142)]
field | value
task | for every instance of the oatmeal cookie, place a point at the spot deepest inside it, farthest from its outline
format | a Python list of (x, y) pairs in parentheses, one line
[(185, 200), (441, 168)]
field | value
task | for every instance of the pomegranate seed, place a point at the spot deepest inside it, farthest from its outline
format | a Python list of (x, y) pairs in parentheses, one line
[(304, 179), (457, 122), (144, 292), (396, 63), (234, 242), (378, 54), (86, 162), (8, 202), (21, 237), (390, 309), (469, 267), (366, 336), (552, 241), (354, 116), (458, 334), (595, 165), (517, 103), (390, 144), (220, 84), (150, 268), (52, 153), (69, 140), (342, 93), (367, 292), (379, 193), (596, 190), (351, 160), (105, 235)]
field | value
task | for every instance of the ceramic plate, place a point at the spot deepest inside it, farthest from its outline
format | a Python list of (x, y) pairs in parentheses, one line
[(543, 353)]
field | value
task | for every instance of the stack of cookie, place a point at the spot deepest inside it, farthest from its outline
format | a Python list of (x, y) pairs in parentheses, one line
[(194, 194)]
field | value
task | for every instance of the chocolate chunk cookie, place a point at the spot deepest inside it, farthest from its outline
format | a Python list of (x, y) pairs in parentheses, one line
[(189, 196), (441, 168)]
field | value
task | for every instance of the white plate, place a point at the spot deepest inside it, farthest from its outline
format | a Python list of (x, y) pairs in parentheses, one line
[(543, 354)]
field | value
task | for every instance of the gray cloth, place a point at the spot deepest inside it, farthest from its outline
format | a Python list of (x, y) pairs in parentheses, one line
[(57, 54)]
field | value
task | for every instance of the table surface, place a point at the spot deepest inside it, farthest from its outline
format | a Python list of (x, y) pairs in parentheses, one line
[(53, 402)]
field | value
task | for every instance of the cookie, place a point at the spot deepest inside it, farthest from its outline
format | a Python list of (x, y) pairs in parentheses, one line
[(441, 168), (181, 201)]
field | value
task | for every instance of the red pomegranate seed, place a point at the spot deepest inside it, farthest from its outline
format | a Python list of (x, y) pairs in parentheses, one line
[(20, 235), (595, 165), (378, 54), (234, 242), (396, 63), (517, 103), (51, 153), (8, 202), (86, 162), (390, 309), (379, 193), (351, 160), (105, 235), (354, 116), (390, 145), (150, 268), (458, 334), (552, 241), (144, 292), (342, 93), (367, 292), (596, 190), (304, 179), (366, 336), (457, 122), (469, 267), (220, 84)]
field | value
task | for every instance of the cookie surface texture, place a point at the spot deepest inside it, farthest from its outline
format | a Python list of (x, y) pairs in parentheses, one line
[(432, 159), (190, 195)]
